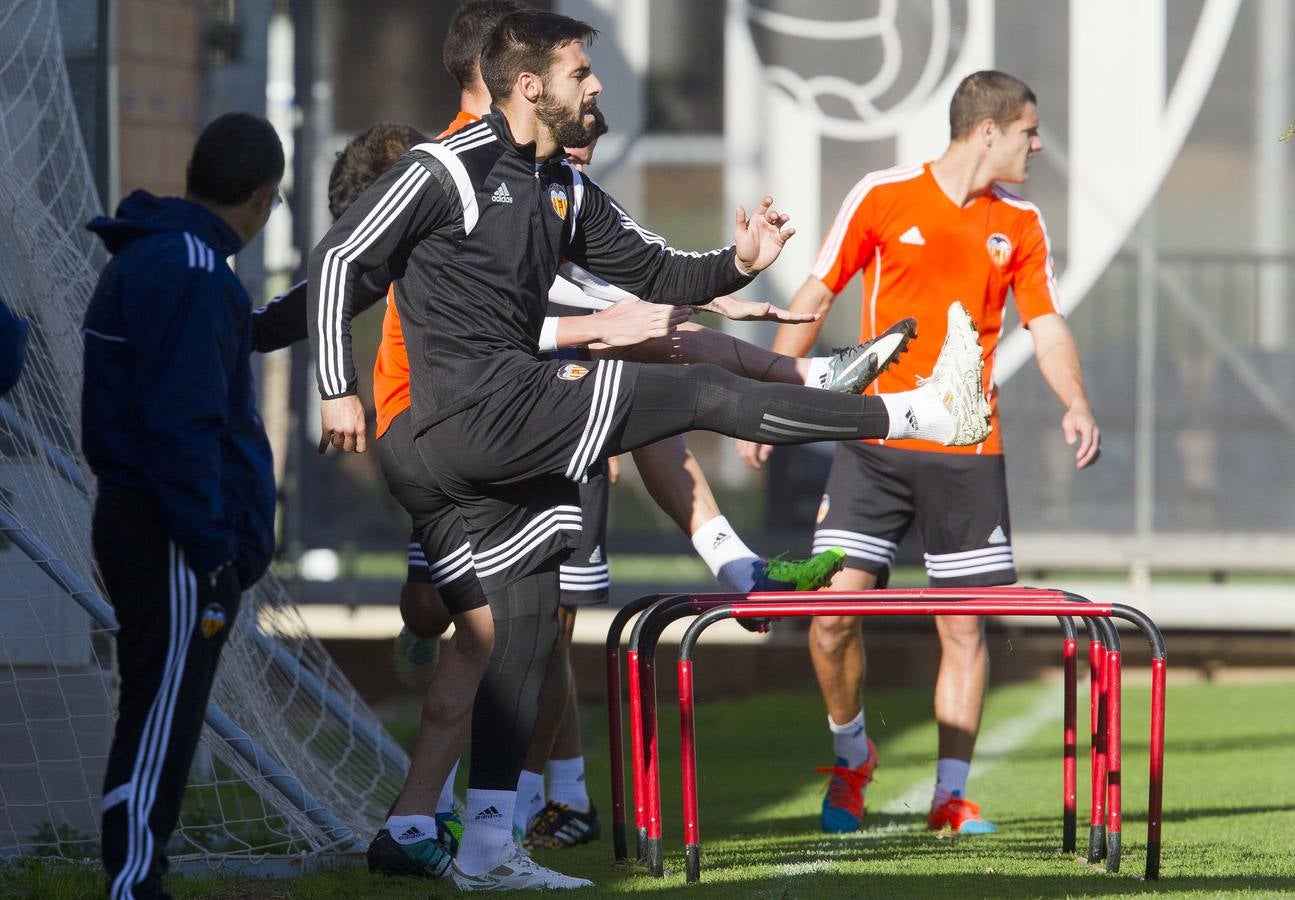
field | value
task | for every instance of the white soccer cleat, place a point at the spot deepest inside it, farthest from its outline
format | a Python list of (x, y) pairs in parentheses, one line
[(516, 872), (956, 380), (852, 369)]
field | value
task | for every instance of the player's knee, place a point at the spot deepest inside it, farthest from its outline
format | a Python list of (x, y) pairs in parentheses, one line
[(831, 635), (963, 636), (423, 610)]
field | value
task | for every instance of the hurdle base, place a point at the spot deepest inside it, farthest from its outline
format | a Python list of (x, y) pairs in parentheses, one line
[(1153, 861), (640, 844), (1096, 843), (1068, 830), (692, 863), (655, 858), (619, 844), (1113, 851)]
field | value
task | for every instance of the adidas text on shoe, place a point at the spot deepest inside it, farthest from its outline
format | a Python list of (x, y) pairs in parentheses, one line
[(516, 872), (958, 815), (854, 368), (956, 380), (558, 825), (426, 858), (780, 574), (843, 806)]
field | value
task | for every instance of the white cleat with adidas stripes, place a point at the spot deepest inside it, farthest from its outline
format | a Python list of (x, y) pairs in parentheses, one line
[(516, 871), (956, 381)]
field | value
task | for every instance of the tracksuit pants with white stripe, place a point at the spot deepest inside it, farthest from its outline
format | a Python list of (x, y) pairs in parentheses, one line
[(172, 626)]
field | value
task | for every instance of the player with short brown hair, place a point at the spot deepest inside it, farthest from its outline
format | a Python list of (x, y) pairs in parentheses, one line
[(923, 235)]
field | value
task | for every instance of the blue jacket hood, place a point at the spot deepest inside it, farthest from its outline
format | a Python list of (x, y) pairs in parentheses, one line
[(141, 215)]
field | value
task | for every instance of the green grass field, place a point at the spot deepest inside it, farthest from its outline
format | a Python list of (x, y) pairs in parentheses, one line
[(1228, 826)]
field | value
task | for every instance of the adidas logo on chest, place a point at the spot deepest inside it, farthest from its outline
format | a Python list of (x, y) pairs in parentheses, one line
[(501, 194)]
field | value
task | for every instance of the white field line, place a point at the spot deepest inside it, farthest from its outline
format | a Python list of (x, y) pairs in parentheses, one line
[(993, 747)]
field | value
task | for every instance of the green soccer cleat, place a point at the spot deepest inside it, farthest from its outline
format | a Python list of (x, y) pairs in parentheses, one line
[(852, 369), (449, 829), (780, 574)]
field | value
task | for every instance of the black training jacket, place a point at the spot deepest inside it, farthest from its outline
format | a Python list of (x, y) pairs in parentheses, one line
[(475, 229)]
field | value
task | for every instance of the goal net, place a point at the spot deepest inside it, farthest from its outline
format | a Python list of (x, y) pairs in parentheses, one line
[(291, 759)]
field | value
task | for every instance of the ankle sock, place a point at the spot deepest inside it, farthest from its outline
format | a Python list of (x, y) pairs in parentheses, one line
[(567, 783), (729, 559), (850, 741)]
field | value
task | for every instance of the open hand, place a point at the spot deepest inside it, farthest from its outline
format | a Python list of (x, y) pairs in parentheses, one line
[(740, 310), (632, 321)]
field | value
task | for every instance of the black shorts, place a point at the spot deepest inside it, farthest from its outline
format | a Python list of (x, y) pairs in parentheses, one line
[(584, 576), (439, 552), (959, 504), (512, 462)]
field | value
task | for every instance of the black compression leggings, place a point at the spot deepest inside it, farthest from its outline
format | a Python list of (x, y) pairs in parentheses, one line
[(503, 716), (670, 400)]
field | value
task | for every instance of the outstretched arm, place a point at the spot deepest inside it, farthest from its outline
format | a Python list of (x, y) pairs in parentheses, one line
[(1058, 358), (613, 246)]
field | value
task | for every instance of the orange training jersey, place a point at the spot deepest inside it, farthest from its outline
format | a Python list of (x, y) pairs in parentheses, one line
[(919, 252), (391, 368)]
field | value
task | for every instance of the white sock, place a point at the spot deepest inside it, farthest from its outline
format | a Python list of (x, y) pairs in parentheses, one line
[(850, 741), (951, 778), (729, 559), (819, 371), (445, 802), (487, 830), (530, 799), (567, 783), (411, 829), (918, 414)]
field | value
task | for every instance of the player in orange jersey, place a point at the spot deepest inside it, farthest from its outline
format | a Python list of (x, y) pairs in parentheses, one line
[(925, 235)]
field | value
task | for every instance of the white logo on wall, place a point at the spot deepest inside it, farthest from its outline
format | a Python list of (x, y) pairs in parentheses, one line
[(814, 86)]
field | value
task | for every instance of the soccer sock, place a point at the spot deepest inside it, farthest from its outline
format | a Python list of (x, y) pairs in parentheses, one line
[(530, 799), (918, 414), (850, 741), (407, 830), (950, 778), (819, 371), (445, 802), (729, 559), (567, 783), (487, 830)]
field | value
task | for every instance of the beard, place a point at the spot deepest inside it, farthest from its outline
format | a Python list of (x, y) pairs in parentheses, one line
[(568, 126)]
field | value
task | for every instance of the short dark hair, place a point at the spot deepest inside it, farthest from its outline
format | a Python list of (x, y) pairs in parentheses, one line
[(364, 159), (988, 94), (524, 41), (469, 30), (235, 155)]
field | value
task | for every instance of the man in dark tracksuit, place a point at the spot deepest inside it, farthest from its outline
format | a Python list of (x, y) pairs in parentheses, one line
[(184, 517)]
